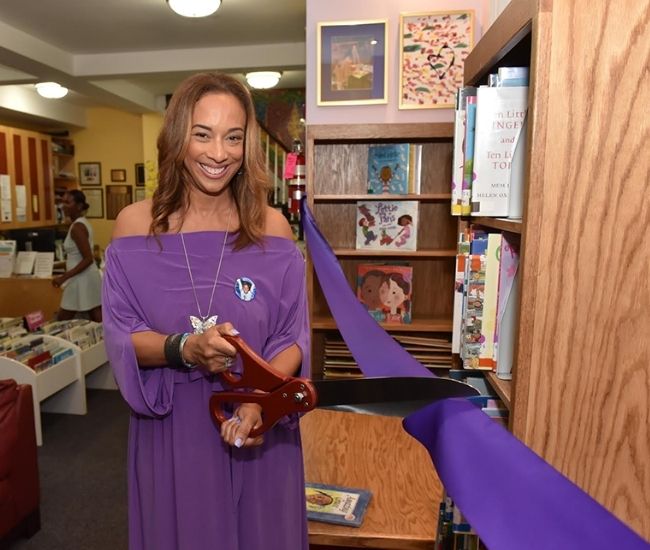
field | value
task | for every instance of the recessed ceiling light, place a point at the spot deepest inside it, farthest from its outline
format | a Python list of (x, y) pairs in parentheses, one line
[(194, 8), (263, 79), (51, 90)]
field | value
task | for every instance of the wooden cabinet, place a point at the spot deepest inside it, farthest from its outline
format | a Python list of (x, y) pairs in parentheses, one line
[(63, 170), (27, 158), (581, 390), (337, 162)]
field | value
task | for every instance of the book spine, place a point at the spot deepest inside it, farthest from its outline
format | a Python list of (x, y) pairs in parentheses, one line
[(468, 157)]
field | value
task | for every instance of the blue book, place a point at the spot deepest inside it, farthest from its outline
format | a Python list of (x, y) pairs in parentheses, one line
[(388, 168)]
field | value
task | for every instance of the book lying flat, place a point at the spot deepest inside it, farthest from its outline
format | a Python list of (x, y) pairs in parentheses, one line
[(336, 504)]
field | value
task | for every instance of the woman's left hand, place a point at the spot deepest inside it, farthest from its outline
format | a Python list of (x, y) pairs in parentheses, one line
[(58, 281), (235, 430)]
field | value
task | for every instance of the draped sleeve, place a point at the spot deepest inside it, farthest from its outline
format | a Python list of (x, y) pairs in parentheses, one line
[(292, 320), (149, 392)]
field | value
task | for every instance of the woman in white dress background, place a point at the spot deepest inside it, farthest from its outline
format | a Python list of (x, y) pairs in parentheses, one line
[(81, 281)]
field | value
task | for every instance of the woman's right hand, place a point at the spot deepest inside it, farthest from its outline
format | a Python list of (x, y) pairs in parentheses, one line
[(210, 351)]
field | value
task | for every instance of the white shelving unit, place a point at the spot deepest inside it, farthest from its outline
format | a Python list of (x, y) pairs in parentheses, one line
[(59, 388)]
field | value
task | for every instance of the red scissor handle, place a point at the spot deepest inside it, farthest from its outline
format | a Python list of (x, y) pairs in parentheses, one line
[(280, 395)]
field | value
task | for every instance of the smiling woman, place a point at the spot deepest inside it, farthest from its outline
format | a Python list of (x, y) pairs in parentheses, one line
[(226, 264)]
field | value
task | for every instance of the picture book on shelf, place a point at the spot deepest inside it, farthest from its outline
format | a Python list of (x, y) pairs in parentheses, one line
[(386, 291), (386, 225), (336, 504), (388, 168)]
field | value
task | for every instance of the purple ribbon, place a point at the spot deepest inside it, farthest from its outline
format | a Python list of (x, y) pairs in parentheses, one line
[(512, 498), (376, 353)]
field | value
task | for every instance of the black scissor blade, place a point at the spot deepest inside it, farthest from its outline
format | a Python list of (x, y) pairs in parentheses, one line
[(392, 396)]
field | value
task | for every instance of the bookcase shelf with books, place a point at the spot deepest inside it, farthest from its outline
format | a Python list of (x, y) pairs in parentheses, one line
[(579, 359), (337, 183)]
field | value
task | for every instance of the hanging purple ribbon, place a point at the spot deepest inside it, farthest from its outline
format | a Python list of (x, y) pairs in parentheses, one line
[(376, 353), (512, 498)]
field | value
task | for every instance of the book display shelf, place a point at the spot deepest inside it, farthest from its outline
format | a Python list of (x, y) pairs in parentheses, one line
[(579, 395), (57, 388), (337, 168)]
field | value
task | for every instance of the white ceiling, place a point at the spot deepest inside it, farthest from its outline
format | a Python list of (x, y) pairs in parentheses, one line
[(128, 54)]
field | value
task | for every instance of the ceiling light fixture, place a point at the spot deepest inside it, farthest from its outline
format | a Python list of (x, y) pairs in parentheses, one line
[(51, 90), (263, 79), (194, 8)]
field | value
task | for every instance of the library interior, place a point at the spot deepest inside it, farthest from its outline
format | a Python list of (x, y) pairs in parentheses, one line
[(448, 201)]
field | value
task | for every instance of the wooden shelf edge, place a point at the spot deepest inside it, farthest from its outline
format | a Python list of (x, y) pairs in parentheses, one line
[(418, 325), (341, 132), (502, 387), (513, 226), (353, 252), (506, 31), (423, 197)]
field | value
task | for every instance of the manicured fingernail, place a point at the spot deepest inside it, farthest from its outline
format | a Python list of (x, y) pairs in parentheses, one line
[(234, 332), (238, 442)]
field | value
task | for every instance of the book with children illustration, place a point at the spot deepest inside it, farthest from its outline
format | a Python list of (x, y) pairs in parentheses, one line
[(336, 504), (386, 225), (386, 291), (388, 168)]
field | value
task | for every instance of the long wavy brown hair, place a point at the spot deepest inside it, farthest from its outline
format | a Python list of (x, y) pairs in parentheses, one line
[(250, 187)]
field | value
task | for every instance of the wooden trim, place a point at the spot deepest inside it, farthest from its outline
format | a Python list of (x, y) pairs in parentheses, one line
[(341, 132), (514, 22)]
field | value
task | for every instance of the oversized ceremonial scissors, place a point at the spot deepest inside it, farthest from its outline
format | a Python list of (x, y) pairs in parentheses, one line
[(277, 394)]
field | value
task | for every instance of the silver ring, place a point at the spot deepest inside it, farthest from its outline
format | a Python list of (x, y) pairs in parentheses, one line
[(227, 362)]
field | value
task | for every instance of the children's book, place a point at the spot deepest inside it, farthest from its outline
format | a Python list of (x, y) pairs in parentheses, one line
[(387, 225), (336, 504), (386, 291), (388, 168), (500, 117)]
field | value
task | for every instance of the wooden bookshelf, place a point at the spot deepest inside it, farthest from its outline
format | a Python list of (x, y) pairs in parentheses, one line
[(337, 163), (580, 394)]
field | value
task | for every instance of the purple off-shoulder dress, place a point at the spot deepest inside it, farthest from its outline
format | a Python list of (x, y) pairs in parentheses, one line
[(188, 490)]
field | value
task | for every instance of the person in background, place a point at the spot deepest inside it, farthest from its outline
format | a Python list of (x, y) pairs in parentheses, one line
[(81, 280), (172, 289)]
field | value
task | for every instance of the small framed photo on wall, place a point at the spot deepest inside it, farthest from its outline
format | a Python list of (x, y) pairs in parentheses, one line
[(352, 62), (139, 174), (433, 48), (118, 175), (90, 173)]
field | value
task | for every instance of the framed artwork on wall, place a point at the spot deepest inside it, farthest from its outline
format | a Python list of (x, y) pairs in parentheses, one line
[(139, 174), (118, 175), (90, 173), (139, 195), (95, 200), (352, 64), (433, 48), (117, 197)]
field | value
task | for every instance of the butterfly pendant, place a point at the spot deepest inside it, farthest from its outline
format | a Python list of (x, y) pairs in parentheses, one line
[(200, 326)]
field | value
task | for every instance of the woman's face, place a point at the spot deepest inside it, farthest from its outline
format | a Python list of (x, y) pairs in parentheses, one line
[(70, 208), (216, 149)]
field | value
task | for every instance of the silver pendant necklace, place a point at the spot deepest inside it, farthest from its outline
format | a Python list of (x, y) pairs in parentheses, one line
[(203, 322)]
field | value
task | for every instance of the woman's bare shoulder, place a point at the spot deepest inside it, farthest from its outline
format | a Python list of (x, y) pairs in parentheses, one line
[(276, 224), (134, 219)]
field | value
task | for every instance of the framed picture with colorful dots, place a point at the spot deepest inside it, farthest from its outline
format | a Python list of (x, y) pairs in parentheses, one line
[(433, 48)]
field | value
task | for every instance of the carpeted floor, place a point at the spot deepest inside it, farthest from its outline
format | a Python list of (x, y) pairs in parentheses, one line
[(82, 466)]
